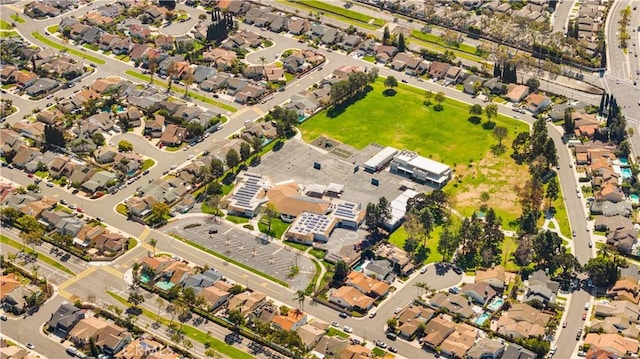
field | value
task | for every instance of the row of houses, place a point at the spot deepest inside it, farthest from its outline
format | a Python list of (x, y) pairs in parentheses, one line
[(37, 72), (82, 327), (15, 293)]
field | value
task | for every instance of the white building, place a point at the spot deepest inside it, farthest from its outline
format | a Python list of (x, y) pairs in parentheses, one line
[(421, 169), (398, 209), (380, 159)]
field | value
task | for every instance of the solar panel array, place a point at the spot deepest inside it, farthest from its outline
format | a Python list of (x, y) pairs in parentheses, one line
[(312, 223), (248, 191), (346, 210)]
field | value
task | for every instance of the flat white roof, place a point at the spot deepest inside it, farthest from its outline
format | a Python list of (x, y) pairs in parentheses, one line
[(399, 206), (428, 165), (379, 158)]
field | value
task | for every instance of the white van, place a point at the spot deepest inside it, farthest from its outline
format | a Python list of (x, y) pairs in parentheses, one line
[(587, 305)]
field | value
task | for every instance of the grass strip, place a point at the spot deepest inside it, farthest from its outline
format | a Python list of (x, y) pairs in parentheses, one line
[(561, 215), (191, 94), (53, 29), (341, 11), (5, 25), (10, 33), (232, 261), (332, 332), (57, 46), (191, 332), (17, 18), (337, 16), (441, 48), (148, 163), (42, 257)]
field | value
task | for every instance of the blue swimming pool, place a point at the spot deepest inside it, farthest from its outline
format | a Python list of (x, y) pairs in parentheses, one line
[(635, 199), (496, 304), (626, 172), (164, 285), (623, 161), (360, 265), (482, 318)]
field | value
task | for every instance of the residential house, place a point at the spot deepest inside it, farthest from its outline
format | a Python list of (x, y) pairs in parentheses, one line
[(454, 303), (515, 351), (298, 26), (486, 348), (173, 135), (350, 298), (381, 269), (537, 103), (610, 209), (155, 127), (459, 341), (41, 87), (623, 239), (480, 292), (437, 330), (454, 74), (612, 343), (438, 70), (410, 320), (367, 285), (310, 335), (610, 192), (65, 318), (214, 297), (541, 288), (523, 321), (350, 42), (618, 308), (247, 302), (517, 93), (384, 53), (140, 206), (625, 288), (293, 320), (495, 277), (140, 348)]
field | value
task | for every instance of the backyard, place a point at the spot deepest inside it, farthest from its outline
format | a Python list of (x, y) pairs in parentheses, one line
[(444, 136)]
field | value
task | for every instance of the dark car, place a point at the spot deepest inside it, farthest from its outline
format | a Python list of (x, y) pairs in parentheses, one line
[(391, 336), (146, 172), (393, 350), (343, 315), (213, 231), (3, 318), (457, 270), (403, 80)]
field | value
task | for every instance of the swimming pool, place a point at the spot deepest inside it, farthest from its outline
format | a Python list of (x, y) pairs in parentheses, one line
[(635, 199), (165, 285), (482, 318), (626, 172), (623, 161), (496, 304), (360, 265)]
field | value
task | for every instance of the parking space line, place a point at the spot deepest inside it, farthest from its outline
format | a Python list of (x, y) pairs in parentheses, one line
[(228, 230)]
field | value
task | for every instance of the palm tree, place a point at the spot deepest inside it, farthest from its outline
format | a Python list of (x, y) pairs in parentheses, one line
[(153, 242), (35, 269), (300, 297), (171, 71), (422, 286), (152, 68), (262, 61), (160, 303), (188, 80)]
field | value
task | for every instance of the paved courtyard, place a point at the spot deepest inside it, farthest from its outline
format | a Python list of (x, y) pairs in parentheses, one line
[(271, 258)]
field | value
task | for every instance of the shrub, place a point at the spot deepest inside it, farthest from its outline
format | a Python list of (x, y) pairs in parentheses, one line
[(438, 107)]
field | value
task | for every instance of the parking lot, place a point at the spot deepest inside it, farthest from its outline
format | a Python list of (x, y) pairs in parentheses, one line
[(272, 258)]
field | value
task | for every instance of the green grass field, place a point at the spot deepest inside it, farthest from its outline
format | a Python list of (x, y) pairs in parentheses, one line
[(53, 29), (57, 46), (5, 25), (148, 163), (338, 13), (444, 136), (41, 257), (278, 227), (10, 33), (179, 90), (398, 238)]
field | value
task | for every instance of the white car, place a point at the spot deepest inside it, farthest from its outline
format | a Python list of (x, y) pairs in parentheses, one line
[(397, 310), (30, 346), (347, 329), (423, 270), (335, 324)]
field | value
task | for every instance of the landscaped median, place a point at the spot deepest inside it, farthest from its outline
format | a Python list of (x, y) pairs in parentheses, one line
[(192, 333), (17, 18), (191, 94), (234, 262), (68, 50)]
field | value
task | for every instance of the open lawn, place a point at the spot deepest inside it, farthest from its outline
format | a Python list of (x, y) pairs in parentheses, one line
[(17, 18), (446, 136), (398, 238), (148, 163), (278, 227), (509, 246)]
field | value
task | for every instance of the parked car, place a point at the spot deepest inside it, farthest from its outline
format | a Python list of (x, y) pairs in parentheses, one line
[(423, 270), (584, 316), (335, 324), (397, 310), (372, 314), (3, 318), (381, 344), (393, 350), (30, 346), (347, 329)]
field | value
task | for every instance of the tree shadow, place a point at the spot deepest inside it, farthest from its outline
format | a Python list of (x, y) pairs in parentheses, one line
[(389, 92), (498, 149), (488, 125), (475, 120), (337, 110)]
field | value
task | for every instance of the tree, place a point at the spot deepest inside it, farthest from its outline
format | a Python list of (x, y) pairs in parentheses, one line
[(448, 243), (524, 251), (171, 72), (232, 158), (159, 303), (491, 110), (217, 168), (189, 296), (386, 36), (341, 271), (32, 230), (533, 83), (500, 133), (160, 211), (210, 352), (547, 245), (270, 213), (475, 110), (552, 189), (410, 245), (440, 97), (153, 242), (392, 323), (603, 270), (390, 82), (422, 286), (401, 44), (98, 138), (153, 64), (135, 299), (125, 146), (188, 80), (569, 124), (245, 151), (300, 297), (9, 215), (236, 317), (256, 144)]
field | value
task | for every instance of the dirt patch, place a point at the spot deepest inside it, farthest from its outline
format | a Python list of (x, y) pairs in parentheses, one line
[(497, 176)]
